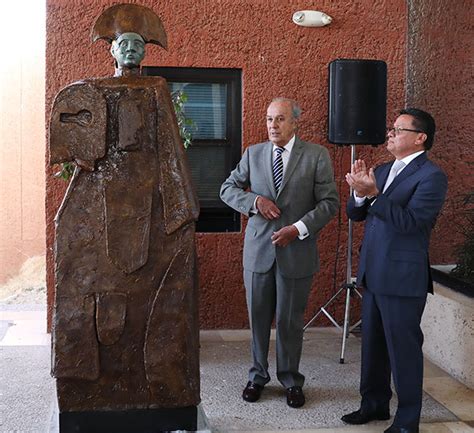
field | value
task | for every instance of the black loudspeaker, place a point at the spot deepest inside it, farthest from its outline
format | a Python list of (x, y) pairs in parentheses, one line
[(357, 101)]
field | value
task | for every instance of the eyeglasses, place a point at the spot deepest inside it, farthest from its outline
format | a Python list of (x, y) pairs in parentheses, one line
[(396, 131)]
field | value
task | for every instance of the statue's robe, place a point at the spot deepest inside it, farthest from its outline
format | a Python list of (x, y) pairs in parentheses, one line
[(125, 327)]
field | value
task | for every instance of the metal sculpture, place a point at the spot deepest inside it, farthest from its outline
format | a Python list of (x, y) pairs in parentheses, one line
[(125, 328)]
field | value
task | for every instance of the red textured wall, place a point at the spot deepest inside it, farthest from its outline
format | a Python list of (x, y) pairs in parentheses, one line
[(439, 78), (277, 58)]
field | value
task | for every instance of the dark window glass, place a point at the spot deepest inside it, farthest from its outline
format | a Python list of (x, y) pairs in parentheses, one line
[(214, 105), (207, 107)]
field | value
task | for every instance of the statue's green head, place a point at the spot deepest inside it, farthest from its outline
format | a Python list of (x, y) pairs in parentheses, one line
[(128, 50), (128, 27)]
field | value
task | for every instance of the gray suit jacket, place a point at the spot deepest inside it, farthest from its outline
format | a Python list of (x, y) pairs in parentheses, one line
[(308, 193)]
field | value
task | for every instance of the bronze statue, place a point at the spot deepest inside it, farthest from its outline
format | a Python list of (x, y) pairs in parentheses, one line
[(125, 331)]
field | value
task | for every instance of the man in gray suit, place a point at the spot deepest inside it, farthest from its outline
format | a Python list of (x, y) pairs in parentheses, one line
[(286, 187)]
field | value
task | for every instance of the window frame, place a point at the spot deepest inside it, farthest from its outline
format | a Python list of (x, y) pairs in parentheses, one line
[(216, 210)]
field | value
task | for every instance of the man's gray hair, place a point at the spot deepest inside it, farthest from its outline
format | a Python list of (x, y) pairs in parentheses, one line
[(295, 107)]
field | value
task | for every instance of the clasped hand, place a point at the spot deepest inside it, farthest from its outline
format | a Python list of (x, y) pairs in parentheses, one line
[(267, 208), (270, 211), (362, 180)]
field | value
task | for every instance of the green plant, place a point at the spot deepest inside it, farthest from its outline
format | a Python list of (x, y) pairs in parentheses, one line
[(66, 171), (185, 126), (464, 269)]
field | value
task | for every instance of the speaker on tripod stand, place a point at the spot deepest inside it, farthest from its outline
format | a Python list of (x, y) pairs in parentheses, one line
[(357, 116)]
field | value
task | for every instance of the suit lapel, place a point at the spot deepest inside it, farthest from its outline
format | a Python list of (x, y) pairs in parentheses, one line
[(268, 166), (295, 156), (411, 168), (382, 177)]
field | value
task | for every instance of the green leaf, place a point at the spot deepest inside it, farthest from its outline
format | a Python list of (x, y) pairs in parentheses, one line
[(185, 124)]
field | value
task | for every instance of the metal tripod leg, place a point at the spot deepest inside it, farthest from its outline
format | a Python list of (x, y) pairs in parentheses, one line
[(350, 290), (349, 287), (323, 310)]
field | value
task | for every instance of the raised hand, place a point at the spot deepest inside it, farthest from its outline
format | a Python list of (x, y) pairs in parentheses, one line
[(362, 181)]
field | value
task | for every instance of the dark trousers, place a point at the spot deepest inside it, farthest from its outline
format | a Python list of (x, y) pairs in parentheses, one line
[(391, 343)]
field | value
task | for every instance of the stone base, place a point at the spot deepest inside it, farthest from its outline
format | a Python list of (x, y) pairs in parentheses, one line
[(448, 326), (131, 421)]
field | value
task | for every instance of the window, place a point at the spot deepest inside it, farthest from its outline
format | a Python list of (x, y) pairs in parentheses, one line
[(215, 107)]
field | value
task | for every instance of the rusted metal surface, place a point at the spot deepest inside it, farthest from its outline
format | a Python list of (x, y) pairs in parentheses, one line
[(126, 18), (111, 310), (79, 119), (125, 332)]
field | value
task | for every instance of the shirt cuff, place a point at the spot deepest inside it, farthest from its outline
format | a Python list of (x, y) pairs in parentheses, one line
[(302, 230), (253, 209), (359, 201)]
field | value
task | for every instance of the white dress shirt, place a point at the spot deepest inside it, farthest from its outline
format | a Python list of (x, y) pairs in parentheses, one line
[(285, 156)]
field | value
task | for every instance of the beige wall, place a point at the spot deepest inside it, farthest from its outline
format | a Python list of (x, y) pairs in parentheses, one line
[(22, 142), (448, 325)]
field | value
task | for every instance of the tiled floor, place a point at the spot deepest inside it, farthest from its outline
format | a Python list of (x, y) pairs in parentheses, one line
[(28, 328)]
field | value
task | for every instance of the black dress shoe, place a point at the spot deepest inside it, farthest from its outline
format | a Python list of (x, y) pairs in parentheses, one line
[(394, 429), (361, 417), (295, 396), (252, 392)]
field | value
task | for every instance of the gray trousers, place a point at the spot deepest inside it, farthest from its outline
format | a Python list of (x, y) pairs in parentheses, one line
[(271, 295)]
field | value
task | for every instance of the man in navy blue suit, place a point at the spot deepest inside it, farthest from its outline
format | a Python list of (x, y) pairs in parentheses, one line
[(399, 202)]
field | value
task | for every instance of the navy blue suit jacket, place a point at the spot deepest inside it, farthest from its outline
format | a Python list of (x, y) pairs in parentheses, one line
[(394, 254)]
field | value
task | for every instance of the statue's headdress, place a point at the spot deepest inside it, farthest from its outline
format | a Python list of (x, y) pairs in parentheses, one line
[(129, 18)]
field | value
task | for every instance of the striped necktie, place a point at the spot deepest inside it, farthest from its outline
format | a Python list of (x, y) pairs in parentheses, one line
[(396, 167), (278, 168)]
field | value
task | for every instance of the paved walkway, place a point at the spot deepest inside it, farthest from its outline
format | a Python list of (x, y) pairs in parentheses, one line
[(28, 403)]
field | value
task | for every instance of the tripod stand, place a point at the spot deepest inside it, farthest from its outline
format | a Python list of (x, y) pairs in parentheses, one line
[(349, 288)]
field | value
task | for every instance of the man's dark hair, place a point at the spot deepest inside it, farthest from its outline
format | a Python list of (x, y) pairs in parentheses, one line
[(422, 121)]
